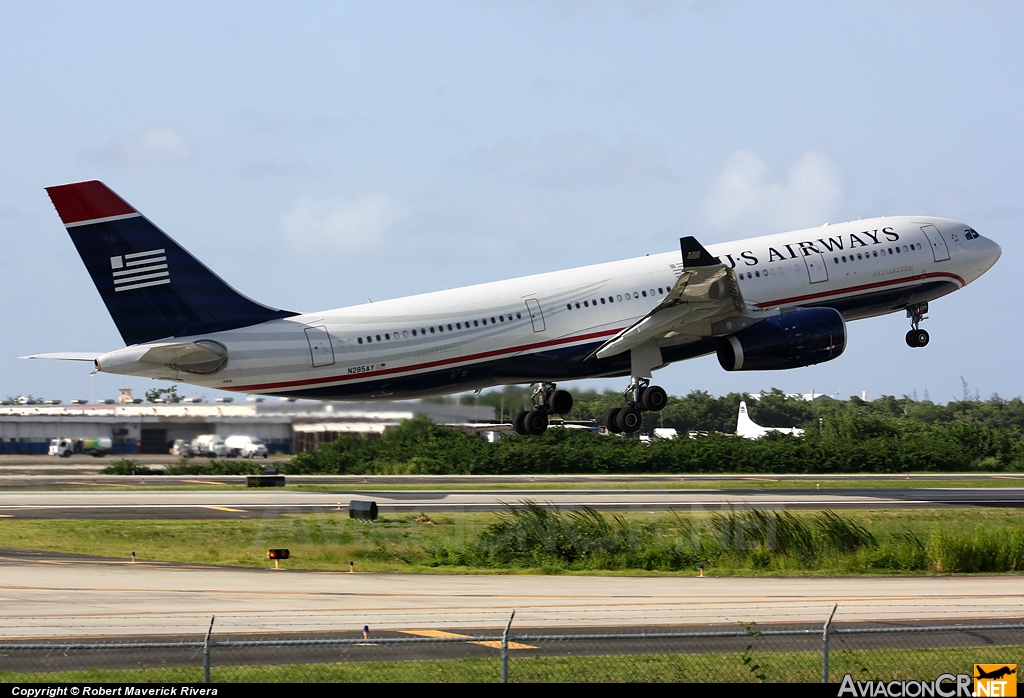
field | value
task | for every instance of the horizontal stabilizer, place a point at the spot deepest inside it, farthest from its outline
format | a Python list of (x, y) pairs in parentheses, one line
[(67, 356)]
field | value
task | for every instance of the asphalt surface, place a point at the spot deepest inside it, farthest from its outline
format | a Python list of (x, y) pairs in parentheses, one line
[(46, 595), (273, 502)]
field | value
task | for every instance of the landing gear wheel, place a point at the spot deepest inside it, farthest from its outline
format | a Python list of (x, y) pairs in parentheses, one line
[(917, 338), (560, 402), (536, 422), (628, 419), (519, 423), (611, 421), (654, 398)]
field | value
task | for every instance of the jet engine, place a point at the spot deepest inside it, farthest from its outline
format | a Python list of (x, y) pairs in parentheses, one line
[(799, 338)]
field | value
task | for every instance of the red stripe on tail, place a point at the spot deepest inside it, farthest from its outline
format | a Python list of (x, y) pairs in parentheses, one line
[(85, 201)]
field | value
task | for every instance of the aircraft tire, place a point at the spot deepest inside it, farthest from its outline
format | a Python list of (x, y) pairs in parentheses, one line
[(560, 402), (655, 398), (629, 419), (519, 423), (536, 422), (922, 338), (611, 421)]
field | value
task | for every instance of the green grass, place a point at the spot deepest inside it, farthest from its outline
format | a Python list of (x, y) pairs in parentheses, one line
[(684, 483), (957, 540), (715, 667)]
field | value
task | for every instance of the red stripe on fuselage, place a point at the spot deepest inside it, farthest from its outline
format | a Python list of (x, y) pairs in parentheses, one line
[(429, 364), (863, 287), (85, 201)]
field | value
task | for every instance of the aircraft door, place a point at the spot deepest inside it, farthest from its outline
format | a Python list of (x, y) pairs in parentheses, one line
[(536, 316), (939, 249), (817, 271), (320, 346)]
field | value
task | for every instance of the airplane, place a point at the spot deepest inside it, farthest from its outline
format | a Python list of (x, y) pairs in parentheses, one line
[(746, 427), (774, 302)]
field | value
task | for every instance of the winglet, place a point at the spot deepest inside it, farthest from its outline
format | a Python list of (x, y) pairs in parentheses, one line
[(694, 254)]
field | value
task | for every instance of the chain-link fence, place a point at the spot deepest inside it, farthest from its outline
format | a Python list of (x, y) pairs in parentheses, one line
[(744, 654)]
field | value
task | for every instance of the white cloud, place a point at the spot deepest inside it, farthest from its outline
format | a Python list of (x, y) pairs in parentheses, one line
[(575, 161), (155, 147), (748, 197), (341, 223)]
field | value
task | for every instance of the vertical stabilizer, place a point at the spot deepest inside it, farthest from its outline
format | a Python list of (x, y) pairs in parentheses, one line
[(152, 287), (745, 426)]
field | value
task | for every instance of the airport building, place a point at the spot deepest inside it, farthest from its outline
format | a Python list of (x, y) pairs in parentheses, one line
[(285, 426)]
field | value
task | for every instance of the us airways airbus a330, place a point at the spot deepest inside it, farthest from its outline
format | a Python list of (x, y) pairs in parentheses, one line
[(773, 302)]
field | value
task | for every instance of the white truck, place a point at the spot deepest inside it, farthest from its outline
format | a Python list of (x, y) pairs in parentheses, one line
[(245, 446), (209, 445), (66, 447)]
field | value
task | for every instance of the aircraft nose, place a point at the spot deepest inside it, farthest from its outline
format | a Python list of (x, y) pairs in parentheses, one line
[(994, 251)]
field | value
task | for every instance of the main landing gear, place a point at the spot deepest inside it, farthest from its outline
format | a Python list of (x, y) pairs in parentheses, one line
[(641, 397), (917, 337), (546, 400)]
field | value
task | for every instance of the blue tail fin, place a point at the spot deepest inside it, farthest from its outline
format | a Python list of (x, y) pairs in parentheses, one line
[(152, 287)]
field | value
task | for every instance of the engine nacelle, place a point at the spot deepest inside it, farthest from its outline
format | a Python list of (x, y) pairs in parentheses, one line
[(790, 340)]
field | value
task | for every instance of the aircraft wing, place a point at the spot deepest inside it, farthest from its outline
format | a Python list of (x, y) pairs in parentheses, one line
[(706, 292)]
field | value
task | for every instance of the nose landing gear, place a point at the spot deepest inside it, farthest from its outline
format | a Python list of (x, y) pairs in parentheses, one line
[(546, 400), (917, 337)]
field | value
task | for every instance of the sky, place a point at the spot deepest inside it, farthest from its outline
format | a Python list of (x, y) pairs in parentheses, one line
[(318, 155)]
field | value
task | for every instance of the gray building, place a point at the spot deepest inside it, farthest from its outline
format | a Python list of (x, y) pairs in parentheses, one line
[(284, 426)]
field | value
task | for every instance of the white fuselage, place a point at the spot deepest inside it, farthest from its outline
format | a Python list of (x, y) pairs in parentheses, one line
[(542, 327)]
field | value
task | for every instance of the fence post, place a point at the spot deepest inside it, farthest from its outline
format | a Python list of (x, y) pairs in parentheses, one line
[(206, 653), (504, 649), (824, 645)]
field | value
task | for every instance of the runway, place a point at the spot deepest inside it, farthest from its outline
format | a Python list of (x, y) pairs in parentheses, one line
[(268, 503), (51, 595)]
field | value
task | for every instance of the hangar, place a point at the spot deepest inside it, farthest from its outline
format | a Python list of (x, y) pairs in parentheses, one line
[(285, 426)]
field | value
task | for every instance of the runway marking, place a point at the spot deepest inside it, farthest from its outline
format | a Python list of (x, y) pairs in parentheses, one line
[(223, 508), (496, 644), (207, 482)]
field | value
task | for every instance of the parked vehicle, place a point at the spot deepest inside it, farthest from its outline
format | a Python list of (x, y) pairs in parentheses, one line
[(245, 446), (209, 445), (181, 447), (66, 447)]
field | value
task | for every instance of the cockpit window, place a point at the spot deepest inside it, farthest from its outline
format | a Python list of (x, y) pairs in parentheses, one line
[(971, 234)]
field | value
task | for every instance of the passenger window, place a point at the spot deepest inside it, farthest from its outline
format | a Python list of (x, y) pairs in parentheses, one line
[(476, 323), (387, 336), (369, 340), (502, 318), (836, 260), (859, 256), (586, 304), (602, 301), (645, 293), (485, 321), (611, 299), (593, 302), (519, 316), (422, 331), (414, 333), (492, 321), (635, 294), (431, 329), (618, 297), (757, 274), (449, 328), (405, 333), (359, 339), (378, 338)]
